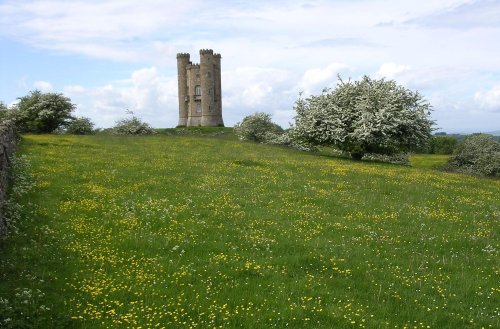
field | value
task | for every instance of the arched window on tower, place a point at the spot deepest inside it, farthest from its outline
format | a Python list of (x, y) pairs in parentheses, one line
[(197, 92)]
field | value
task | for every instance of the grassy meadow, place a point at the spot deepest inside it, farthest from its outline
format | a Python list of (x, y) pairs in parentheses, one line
[(198, 232)]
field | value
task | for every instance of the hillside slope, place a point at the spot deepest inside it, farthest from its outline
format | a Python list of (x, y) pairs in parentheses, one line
[(193, 232)]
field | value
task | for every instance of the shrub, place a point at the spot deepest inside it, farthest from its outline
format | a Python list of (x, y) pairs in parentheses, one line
[(367, 116), (80, 126), (3, 111), (132, 126), (443, 144), (287, 139), (42, 112), (258, 128), (478, 154), (399, 158)]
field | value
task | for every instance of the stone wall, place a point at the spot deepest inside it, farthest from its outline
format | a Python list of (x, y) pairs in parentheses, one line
[(7, 144)]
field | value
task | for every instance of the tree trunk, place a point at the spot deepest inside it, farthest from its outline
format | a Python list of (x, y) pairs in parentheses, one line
[(357, 156)]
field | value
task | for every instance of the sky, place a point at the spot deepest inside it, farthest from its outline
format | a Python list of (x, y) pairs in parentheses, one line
[(114, 56)]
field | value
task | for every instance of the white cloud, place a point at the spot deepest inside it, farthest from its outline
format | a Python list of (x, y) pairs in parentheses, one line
[(316, 79), (149, 95), (100, 29), (462, 15), (251, 87), (43, 86), (490, 99), (74, 89), (130, 30), (254, 94), (246, 90), (284, 117), (427, 79), (391, 70)]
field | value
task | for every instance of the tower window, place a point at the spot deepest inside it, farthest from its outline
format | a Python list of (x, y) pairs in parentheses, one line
[(198, 107), (197, 91)]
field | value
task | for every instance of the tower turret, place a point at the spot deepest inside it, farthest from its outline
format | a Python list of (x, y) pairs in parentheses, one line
[(217, 91), (207, 84), (182, 63)]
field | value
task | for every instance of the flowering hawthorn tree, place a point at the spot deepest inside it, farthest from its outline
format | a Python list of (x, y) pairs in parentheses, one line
[(257, 127), (42, 112), (366, 116), (80, 126)]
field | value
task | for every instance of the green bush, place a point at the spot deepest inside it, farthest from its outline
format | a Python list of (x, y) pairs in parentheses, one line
[(443, 145), (288, 139), (479, 154), (132, 126), (42, 112), (257, 128), (399, 158), (80, 126)]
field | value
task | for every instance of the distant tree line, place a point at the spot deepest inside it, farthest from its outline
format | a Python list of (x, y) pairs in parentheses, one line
[(442, 143)]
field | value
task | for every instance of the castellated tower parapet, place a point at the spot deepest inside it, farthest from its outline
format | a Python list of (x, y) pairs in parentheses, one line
[(200, 102)]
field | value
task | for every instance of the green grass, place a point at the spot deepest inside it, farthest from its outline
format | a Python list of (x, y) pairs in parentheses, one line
[(197, 232), (428, 161), (227, 132)]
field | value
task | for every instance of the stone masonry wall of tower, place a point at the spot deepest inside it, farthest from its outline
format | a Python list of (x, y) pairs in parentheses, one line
[(200, 101)]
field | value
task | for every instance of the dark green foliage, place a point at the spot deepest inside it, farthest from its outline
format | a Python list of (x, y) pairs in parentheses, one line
[(80, 126), (443, 145), (257, 127), (479, 154), (42, 112), (3, 111)]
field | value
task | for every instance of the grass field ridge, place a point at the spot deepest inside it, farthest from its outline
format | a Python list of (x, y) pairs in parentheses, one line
[(195, 232)]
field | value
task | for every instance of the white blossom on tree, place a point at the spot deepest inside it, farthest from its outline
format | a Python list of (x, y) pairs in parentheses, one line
[(366, 116), (41, 112)]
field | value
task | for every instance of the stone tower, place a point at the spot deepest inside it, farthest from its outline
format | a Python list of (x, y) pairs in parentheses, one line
[(200, 102)]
